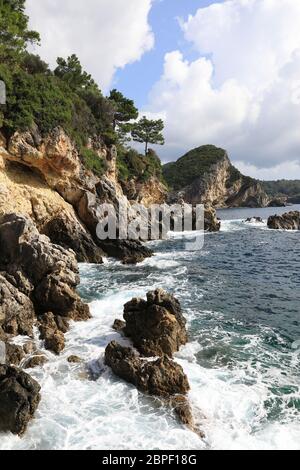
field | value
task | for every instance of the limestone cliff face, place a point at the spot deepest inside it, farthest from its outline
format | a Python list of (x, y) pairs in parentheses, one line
[(152, 191), (214, 181), (44, 177)]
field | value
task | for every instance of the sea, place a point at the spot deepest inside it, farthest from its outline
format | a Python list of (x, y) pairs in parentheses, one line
[(240, 295)]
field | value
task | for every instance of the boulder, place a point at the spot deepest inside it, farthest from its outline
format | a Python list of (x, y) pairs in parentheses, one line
[(119, 325), (162, 377), (74, 360), (14, 354), (49, 332), (17, 314), (287, 221), (38, 360), (156, 326), (19, 399), (211, 222), (51, 270), (62, 231)]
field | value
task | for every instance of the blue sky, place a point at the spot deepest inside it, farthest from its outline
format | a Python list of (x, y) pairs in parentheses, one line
[(136, 80), (229, 75)]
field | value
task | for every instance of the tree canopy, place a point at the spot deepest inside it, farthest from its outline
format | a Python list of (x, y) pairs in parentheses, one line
[(148, 131), (14, 32), (125, 109)]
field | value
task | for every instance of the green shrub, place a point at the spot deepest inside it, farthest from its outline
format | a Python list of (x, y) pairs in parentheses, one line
[(93, 162)]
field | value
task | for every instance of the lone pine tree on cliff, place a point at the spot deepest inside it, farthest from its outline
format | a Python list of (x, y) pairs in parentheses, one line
[(148, 131)]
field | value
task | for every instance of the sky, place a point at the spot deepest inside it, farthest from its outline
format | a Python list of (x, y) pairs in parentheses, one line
[(220, 72)]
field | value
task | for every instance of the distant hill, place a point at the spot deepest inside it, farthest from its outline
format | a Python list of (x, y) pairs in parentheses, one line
[(206, 175), (283, 188)]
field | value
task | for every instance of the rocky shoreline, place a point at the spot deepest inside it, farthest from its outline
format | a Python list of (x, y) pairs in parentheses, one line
[(38, 292)]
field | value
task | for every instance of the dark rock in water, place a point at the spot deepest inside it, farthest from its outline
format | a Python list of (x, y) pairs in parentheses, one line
[(255, 220), (129, 251), (183, 411), (156, 326), (49, 332), (211, 222), (19, 399), (74, 360), (162, 377), (14, 354), (51, 270), (119, 325), (38, 360), (62, 231), (288, 221)]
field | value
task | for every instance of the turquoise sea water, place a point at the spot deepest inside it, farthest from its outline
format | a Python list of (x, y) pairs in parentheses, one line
[(241, 297)]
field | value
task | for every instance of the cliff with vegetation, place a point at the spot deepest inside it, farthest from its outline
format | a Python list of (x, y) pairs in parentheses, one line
[(206, 175), (287, 191)]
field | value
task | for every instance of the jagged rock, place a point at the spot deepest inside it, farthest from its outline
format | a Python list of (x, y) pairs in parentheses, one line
[(254, 219), (49, 332), (156, 326), (288, 221), (211, 222), (19, 399), (183, 411), (162, 377), (17, 315), (278, 202), (29, 347), (39, 359), (119, 325), (65, 233), (14, 354), (129, 251), (74, 360), (52, 270)]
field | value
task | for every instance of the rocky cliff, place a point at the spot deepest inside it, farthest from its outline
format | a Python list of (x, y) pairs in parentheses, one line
[(206, 175), (44, 177)]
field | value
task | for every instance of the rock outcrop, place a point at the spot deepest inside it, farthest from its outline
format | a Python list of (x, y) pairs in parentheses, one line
[(60, 194), (19, 399), (46, 275), (205, 175), (162, 377), (288, 221), (156, 326)]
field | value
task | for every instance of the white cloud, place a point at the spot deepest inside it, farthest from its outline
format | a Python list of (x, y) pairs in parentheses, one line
[(243, 92), (288, 170), (105, 34)]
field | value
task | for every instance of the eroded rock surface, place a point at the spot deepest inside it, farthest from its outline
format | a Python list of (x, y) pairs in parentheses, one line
[(288, 221), (162, 377), (19, 399), (156, 326)]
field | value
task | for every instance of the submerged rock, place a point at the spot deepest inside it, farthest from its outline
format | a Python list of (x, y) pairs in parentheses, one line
[(156, 325), (162, 377), (287, 221), (19, 399), (38, 360)]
